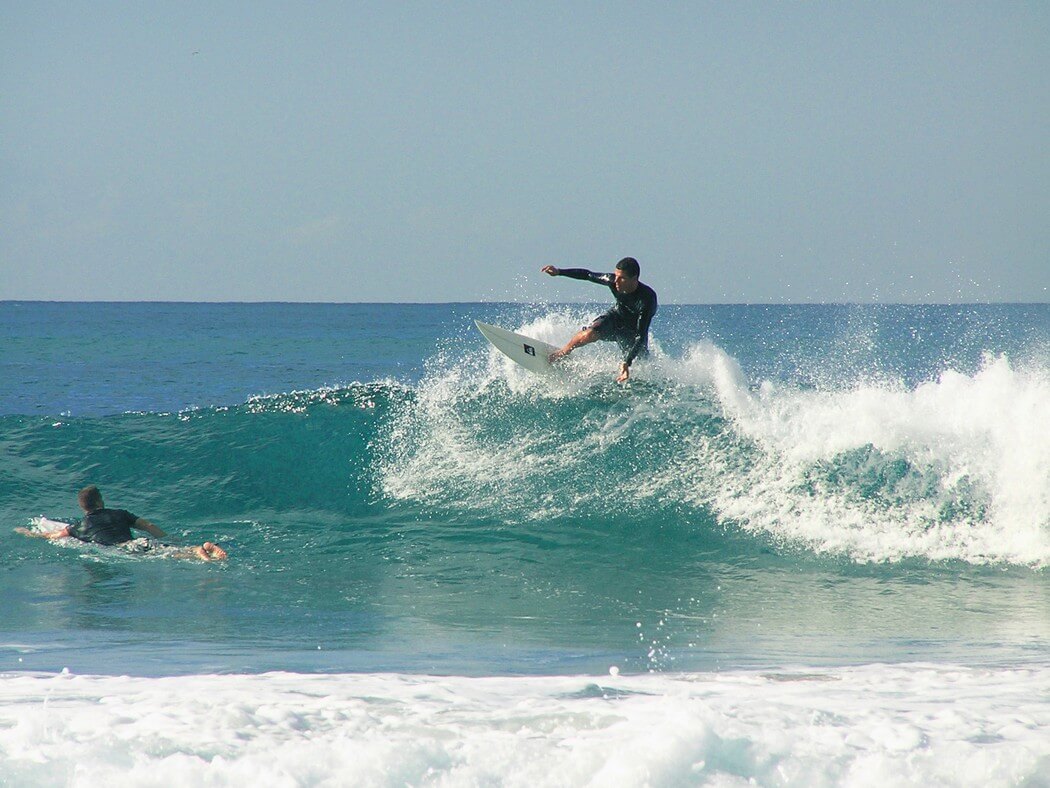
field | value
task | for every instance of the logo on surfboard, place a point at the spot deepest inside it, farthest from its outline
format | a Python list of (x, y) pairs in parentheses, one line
[(529, 349)]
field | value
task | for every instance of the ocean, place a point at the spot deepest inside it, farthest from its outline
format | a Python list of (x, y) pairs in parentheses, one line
[(804, 545)]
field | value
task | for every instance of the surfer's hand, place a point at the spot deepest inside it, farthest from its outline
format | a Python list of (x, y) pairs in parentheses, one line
[(625, 374), (62, 532), (550, 269)]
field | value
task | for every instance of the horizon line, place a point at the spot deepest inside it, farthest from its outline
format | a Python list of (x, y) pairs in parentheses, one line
[(519, 303)]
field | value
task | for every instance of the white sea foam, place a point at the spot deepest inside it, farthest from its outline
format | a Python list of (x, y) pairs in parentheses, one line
[(434, 445), (985, 436), (863, 726)]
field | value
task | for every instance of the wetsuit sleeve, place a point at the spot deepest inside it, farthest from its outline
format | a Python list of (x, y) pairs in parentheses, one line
[(75, 530), (583, 273), (641, 330)]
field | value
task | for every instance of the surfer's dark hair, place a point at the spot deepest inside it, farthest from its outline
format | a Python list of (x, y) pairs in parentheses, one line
[(630, 267), (90, 498)]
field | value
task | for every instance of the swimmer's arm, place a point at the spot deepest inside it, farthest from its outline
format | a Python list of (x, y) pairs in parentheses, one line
[(61, 533), (145, 525)]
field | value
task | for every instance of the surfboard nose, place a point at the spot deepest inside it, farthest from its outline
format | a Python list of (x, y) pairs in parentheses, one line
[(525, 351)]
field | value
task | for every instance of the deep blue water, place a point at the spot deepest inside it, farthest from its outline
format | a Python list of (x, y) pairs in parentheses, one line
[(780, 485)]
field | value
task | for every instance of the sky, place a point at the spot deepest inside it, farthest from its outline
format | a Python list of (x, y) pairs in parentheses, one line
[(743, 152)]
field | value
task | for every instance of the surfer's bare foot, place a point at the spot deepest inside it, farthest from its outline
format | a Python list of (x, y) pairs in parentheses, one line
[(210, 552), (213, 550), (557, 355)]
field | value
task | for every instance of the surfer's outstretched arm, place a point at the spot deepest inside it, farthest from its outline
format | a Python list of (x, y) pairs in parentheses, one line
[(578, 273), (61, 533)]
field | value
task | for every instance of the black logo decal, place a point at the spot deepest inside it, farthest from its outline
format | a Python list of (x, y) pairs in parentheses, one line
[(530, 350)]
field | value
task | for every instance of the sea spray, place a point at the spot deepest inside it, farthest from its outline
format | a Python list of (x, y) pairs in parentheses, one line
[(953, 468)]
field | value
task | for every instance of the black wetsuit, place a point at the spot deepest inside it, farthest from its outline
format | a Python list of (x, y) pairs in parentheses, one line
[(627, 323), (105, 526)]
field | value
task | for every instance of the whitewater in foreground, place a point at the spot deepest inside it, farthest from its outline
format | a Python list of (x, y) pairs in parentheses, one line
[(872, 725)]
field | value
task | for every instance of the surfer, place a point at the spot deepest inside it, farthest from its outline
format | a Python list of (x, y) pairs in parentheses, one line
[(113, 527), (627, 323)]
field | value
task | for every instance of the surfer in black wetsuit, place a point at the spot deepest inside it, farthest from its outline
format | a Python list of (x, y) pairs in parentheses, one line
[(113, 527), (627, 323)]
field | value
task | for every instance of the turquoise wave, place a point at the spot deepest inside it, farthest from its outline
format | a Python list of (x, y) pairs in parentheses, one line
[(717, 461)]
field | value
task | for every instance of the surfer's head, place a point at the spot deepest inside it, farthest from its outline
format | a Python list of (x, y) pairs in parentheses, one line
[(626, 275), (90, 498)]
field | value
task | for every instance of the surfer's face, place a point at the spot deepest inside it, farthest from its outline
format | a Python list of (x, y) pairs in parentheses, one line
[(623, 283)]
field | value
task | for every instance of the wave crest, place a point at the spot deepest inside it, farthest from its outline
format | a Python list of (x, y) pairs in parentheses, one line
[(956, 468)]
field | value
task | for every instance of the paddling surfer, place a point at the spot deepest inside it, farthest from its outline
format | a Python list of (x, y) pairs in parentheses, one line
[(627, 323), (113, 527)]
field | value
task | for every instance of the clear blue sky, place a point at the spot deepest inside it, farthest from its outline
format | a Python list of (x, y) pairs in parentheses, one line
[(344, 151)]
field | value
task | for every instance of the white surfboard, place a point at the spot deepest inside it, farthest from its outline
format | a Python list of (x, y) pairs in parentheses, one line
[(44, 525), (526, 351)]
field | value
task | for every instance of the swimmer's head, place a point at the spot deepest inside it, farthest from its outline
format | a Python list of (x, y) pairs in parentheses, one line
[(90, 499)]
